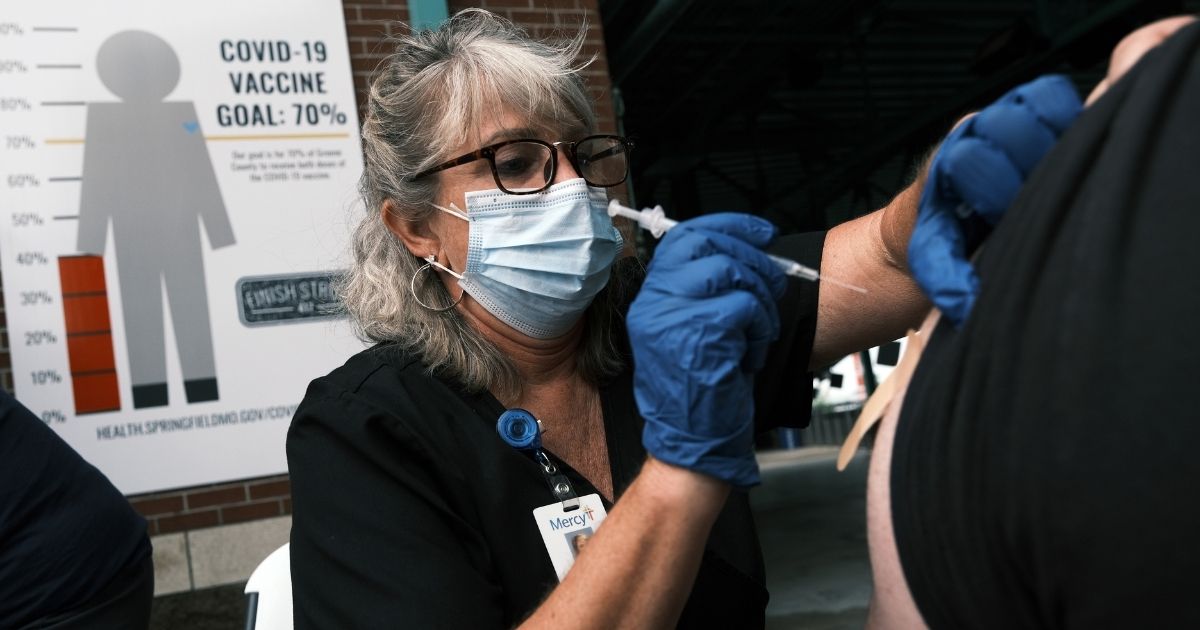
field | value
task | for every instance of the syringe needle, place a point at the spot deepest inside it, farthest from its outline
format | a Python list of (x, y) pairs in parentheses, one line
[(843, 284)]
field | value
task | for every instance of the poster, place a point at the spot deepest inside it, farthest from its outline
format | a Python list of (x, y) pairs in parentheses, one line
[(178, 185)]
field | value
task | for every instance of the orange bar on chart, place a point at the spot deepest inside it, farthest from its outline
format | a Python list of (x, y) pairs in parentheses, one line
[(89, 334)]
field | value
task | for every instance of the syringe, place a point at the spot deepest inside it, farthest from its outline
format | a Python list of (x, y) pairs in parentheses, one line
[(657, 223)]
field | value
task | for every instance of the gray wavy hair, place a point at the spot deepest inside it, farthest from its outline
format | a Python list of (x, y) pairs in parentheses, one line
[(421, 103)]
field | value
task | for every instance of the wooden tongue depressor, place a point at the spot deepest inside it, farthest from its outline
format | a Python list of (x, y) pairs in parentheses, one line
[(896, 382)]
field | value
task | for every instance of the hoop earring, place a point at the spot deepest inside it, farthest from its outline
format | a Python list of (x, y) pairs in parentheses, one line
[(412, 288)]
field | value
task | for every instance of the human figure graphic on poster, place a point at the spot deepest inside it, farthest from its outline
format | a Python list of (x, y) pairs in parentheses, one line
[(146, 167)]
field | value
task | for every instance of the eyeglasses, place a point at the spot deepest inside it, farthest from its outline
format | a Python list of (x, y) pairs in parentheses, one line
[(525, 167)]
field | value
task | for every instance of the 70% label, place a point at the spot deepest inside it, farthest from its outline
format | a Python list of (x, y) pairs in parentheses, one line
[(314, 114)]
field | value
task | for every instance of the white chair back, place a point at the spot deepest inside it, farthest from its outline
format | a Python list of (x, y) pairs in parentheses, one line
[(270, 593)]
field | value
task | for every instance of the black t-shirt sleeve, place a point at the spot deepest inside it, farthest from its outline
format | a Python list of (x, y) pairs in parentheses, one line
[(408, 560), (65, 532), (783, 388), (1044, 469)]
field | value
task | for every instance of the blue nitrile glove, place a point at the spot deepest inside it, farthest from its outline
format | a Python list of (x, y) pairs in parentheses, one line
[(973, 179), (700, 329)]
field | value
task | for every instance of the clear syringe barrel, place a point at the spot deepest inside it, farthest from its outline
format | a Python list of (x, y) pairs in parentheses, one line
[(656, 222)]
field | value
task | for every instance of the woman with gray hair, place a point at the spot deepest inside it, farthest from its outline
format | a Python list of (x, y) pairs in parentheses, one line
[(494, 285)]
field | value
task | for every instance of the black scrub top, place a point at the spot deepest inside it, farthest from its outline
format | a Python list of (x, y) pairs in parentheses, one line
[(409, 511), (1044, 472)]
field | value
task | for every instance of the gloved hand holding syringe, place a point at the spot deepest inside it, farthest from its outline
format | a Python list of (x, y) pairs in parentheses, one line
[(657, 223)]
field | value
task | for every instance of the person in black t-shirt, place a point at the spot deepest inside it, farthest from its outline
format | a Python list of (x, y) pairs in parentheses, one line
[(1042, 470), (73, 554), (1043, 465)]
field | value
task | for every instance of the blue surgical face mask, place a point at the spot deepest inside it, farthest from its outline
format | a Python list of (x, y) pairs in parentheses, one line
[(537, 261)]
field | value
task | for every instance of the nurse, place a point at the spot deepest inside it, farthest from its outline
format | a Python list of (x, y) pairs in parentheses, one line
[(490, 279)]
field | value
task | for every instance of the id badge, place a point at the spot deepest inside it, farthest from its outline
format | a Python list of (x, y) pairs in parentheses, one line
[(566, 533)]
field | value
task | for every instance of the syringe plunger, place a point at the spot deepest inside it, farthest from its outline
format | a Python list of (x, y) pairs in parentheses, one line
[(656, 222)]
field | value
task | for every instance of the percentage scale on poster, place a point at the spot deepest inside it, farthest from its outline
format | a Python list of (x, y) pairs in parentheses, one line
[(176, 195), (36, 204), (88, 334), (60, 299)]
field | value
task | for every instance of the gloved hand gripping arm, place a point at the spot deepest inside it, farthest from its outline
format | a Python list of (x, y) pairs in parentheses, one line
[(700, 328), (974, 177)]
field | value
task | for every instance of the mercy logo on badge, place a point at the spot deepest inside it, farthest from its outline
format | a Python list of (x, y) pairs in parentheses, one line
[(560, 522)]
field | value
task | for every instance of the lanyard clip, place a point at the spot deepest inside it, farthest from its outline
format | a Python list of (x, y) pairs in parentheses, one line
[(560, 486), (520, 430)]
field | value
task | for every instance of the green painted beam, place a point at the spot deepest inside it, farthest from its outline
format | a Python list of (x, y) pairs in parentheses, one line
[(427, 13)]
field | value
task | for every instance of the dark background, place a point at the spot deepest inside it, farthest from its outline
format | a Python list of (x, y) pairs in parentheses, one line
[(813, 112)]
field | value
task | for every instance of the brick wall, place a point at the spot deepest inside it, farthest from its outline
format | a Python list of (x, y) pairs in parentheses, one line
[(215, 504), (368, 23)]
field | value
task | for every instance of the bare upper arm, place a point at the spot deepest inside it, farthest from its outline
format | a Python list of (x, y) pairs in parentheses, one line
[(863, 252), (892, 604)]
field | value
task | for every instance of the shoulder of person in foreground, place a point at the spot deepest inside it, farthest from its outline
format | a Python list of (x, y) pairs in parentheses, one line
[(48, 495)]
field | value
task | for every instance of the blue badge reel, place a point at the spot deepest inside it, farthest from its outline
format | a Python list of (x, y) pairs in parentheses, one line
[(519, 429)]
